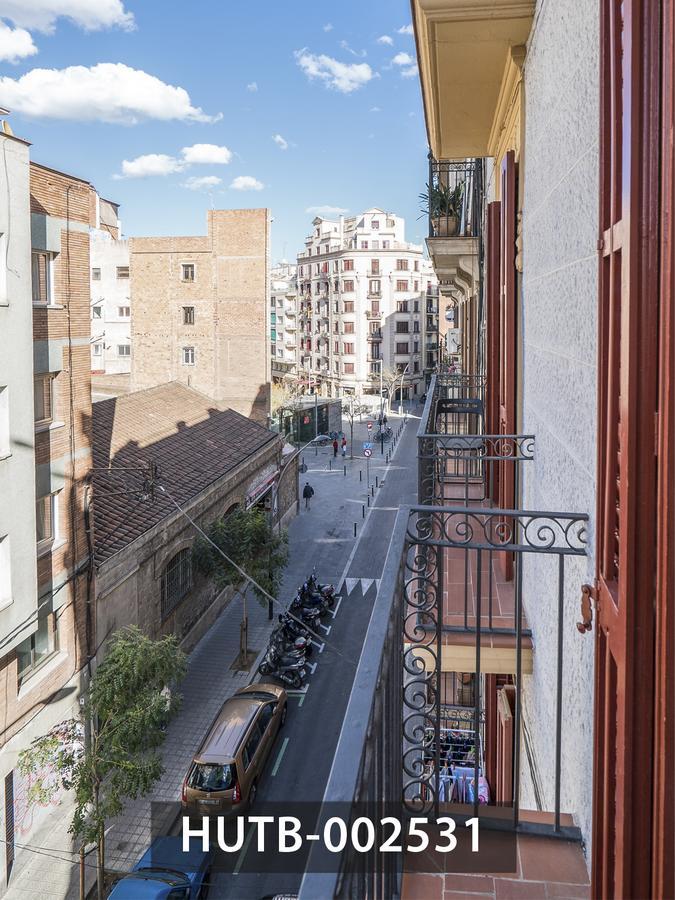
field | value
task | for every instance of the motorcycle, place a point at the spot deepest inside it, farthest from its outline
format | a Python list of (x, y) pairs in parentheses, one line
[(300, 647), (292, 627), (306, 600), (326, 590), (285, 668)]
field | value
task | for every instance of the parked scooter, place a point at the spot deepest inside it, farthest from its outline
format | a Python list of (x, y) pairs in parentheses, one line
[(326, 590), (310, 616), (286, 668), (299, 647), (292, 627), (305, 599)]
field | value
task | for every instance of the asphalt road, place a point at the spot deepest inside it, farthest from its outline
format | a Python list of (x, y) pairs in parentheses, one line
[(300, 761)]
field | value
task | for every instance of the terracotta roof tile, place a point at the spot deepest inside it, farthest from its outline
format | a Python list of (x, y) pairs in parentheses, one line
[(191, 440)]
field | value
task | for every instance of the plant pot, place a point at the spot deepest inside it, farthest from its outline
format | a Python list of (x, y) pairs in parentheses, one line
[(445, 226)]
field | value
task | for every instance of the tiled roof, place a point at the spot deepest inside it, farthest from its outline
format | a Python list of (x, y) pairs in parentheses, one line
[(192, 442)]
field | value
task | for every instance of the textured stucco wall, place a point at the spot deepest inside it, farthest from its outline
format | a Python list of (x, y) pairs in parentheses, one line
[(109, 294), (559, 300)]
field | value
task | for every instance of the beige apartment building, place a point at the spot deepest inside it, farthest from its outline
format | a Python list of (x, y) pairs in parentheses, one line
[(200, 311)]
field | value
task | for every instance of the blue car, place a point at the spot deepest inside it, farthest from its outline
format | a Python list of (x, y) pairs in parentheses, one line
[(165, 872)]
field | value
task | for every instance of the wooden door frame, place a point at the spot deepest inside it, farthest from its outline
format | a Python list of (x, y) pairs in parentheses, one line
[(493, 340)]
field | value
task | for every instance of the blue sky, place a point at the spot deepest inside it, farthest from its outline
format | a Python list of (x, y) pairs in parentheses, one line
[(336, 83)]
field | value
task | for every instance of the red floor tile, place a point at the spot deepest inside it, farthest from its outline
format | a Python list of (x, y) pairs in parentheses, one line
[(418, 886), (549, 859), (510, 889)]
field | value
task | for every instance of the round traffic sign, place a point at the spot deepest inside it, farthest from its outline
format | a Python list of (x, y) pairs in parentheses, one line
[(370, 426), (367, 453)]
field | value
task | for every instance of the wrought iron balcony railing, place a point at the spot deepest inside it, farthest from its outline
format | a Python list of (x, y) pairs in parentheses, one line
[(454, 197)]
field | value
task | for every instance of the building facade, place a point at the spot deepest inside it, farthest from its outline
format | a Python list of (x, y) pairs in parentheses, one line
[(110, 304), (363, 306), (201, 311), (284, 322)]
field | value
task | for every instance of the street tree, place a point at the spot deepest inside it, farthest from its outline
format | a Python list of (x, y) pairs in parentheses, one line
[(355, 407), (248, 538), (110, 753), (286, 397)]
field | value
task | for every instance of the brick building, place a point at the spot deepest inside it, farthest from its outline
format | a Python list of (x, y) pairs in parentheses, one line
[(200, 308), (210, 460)]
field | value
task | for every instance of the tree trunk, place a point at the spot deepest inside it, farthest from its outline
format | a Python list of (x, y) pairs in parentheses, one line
[(351, 438), (100, 867)]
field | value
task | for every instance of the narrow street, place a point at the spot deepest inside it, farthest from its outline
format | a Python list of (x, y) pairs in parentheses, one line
[(301, 759)]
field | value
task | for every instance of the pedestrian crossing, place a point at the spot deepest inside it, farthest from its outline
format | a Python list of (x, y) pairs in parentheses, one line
[(366, 583)]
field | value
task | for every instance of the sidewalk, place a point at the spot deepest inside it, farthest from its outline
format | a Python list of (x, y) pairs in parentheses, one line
[(323, 537)]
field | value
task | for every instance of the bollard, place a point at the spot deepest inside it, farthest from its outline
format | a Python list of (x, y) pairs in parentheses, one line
[(368, 501), (316, 451), (330, 465), (363, 511), (376, 482), (372, 490), (360, 474), (354, 529), (344, 472)]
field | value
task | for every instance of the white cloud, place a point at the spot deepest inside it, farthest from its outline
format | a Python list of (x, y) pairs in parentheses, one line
[(375, 109), (280, 141), (15, 44), (252, 86), (106, 92), (150, 164), (206, 155), (91, 15), (203, 182), (406, 29), (385, 39), (246, 183), (343, 77), (410, 72), (359, 53), (326, 210), (403, 59), (328, 27)]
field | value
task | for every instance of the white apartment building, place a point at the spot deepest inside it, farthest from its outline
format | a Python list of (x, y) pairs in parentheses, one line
[(18, 555), (363, 306), (284, 321), (110, 300)]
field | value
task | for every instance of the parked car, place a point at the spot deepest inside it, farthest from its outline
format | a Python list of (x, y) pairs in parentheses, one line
[(224, 773), (166, 872), (321, 440)]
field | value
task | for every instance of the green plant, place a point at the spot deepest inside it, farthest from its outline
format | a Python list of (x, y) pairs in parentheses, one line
[(442, 201), (128, 706)]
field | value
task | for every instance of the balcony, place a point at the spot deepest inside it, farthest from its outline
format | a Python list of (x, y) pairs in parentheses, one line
[(439, 709), (455, 200), (375, 335), (371, 314)]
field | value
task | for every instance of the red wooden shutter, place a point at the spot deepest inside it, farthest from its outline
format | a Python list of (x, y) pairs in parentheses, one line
[(493, 340), (507, 323), (627, 373)]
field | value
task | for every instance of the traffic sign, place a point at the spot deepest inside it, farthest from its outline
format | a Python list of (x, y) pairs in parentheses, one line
[(367, 445), (367, 452), (370, 426)]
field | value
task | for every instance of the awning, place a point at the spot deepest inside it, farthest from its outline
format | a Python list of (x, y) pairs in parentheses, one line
[(260, 486)]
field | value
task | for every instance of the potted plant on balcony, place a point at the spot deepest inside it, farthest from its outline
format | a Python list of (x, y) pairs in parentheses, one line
[(443, 205)]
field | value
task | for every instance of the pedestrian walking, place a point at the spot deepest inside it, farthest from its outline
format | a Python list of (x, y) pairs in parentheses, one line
[(385, 420), (307, 493), (335, 448), (344, 447)]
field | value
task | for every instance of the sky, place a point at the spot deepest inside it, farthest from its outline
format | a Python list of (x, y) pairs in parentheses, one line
[(304, 108)]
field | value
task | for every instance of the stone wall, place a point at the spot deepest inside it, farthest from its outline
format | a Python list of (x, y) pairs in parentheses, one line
[(559, 300)]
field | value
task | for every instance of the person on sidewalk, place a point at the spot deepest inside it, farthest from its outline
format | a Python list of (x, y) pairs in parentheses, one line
[(335, 448), (344, 446), (307, 493)]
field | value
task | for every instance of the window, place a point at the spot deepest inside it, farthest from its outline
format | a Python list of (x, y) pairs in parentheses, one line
[(123, 312), (188, 315), (402, 348), (124, 349), (252, 745), (402, 265), (122, 271), (348, 306), (375, 307), (41, 277), (402, 306), (189, 355), (349, 328), (375, 245), (349, 368), (97, 312), (417, 265), (375, 286), (348, 265), (416, 327), (391, 223), (402, 328), (385, 245), (416, 306), (36, 649), (46, 520), (416, 367), (375, 225), (97, 349), (416, 346), (176, 580), (401, 285), (348, 285), (43, 399), (348, 349), (95, 274), (364, 245), (375, 266), (416, 286), (337, 347), (187, 272)]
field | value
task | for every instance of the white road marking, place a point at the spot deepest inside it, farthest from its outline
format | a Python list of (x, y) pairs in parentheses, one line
[(317, 644), (311, 666), (351, 584), (280, 756), (335, 609), (242, 855), (326, 628)]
